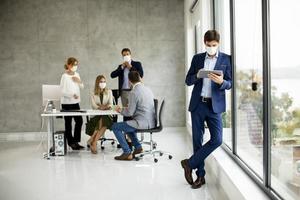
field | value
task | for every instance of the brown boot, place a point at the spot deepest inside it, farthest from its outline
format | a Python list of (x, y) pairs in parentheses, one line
[(137, 151), (187, 171), (124, 156), (198, 183)]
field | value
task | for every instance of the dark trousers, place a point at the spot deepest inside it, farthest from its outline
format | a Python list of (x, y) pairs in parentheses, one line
[(68, 124), (203, 113)]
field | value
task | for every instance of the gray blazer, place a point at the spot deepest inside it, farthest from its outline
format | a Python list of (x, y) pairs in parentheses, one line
[(140, 108)]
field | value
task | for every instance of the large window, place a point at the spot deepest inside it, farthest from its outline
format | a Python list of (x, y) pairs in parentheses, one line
[(222, 24), (249, 90), (285, 97), (261, 72)]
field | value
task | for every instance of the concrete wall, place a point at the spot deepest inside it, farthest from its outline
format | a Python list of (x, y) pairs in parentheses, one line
[(37, 36)]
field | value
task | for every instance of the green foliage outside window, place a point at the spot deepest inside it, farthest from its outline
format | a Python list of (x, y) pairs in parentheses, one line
[(284, 118)]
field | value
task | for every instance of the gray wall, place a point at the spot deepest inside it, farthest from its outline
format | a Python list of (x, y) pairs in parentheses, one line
[(37, 36)]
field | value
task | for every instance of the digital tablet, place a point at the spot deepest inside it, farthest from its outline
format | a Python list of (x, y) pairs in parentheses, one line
[(204, 73)]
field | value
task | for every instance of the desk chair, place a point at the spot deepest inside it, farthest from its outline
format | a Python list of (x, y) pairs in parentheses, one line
[(156, 129), (153, 144)]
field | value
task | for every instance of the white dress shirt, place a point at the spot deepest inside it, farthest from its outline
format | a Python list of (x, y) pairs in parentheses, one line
[(126, 80), (69, 88), (209, 64)]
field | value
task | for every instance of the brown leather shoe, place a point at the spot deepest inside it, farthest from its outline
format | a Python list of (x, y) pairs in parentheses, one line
[(137, 151), (124, 156), (187, 171), (198, 183)]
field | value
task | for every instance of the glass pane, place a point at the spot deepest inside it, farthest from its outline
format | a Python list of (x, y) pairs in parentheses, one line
[(285, 82), (249, 83), (222, 24)]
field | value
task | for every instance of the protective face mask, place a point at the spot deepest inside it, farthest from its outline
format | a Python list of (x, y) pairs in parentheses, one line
[(74, 68), (127, 58), (102, 85), (211, 50)]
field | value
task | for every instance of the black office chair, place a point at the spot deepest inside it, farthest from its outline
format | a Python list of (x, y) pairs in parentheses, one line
[(153, 144), (158, 128)]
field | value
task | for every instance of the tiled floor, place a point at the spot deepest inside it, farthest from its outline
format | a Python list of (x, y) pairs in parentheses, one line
[(24, 174)]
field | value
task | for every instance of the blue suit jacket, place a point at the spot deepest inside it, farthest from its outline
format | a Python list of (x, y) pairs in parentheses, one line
[(119, 72), (218, 91)]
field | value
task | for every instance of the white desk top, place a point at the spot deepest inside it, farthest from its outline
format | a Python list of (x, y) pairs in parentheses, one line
[(87, 113)]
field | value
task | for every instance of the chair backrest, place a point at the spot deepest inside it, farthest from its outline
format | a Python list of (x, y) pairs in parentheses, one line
[(161, 109), (155, 109), (116, 95)]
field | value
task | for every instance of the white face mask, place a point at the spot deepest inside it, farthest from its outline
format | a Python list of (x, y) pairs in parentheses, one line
[(127, 58), (102, 85), (74, 68), (211, 50)]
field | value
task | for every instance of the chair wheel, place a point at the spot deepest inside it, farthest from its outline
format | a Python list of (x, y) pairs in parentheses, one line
[(137, 158), (170, 157), (112, 143), (154, 146), (102, 148), (161, 154), (118, 146), (155, 160)]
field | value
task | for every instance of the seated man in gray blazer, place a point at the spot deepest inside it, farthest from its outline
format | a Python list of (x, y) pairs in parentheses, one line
[(141, 109)]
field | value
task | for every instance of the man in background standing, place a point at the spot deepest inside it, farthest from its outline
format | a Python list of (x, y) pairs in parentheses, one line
[(122, 72)]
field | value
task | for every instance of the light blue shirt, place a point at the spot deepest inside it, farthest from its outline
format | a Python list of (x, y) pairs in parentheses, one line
[(209, 64), (126, 80)]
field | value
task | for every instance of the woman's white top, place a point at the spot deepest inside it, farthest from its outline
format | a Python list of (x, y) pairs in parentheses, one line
[(107, 99), (69, 88)]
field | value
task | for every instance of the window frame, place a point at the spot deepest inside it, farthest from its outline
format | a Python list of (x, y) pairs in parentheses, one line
[(265, 182)]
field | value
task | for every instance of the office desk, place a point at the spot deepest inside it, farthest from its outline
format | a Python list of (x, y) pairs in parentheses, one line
[(50, 124)]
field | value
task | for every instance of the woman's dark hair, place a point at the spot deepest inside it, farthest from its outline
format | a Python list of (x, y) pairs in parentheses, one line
[(211, 35), (134, 77), (125, 50)]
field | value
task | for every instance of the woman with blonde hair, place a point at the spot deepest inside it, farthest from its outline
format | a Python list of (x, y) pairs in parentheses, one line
[(101, 99)]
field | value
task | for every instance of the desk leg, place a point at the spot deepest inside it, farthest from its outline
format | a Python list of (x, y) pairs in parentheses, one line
[(50, 127), (48, 138)]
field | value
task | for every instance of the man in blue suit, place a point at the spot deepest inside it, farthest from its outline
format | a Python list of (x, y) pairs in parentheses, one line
[(207, 104), (122, 72)]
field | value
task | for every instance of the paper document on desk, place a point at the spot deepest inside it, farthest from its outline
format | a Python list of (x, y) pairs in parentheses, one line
[(202, 73)]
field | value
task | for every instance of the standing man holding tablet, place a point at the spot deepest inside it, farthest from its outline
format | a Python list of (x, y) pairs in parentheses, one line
[(207, 104)]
